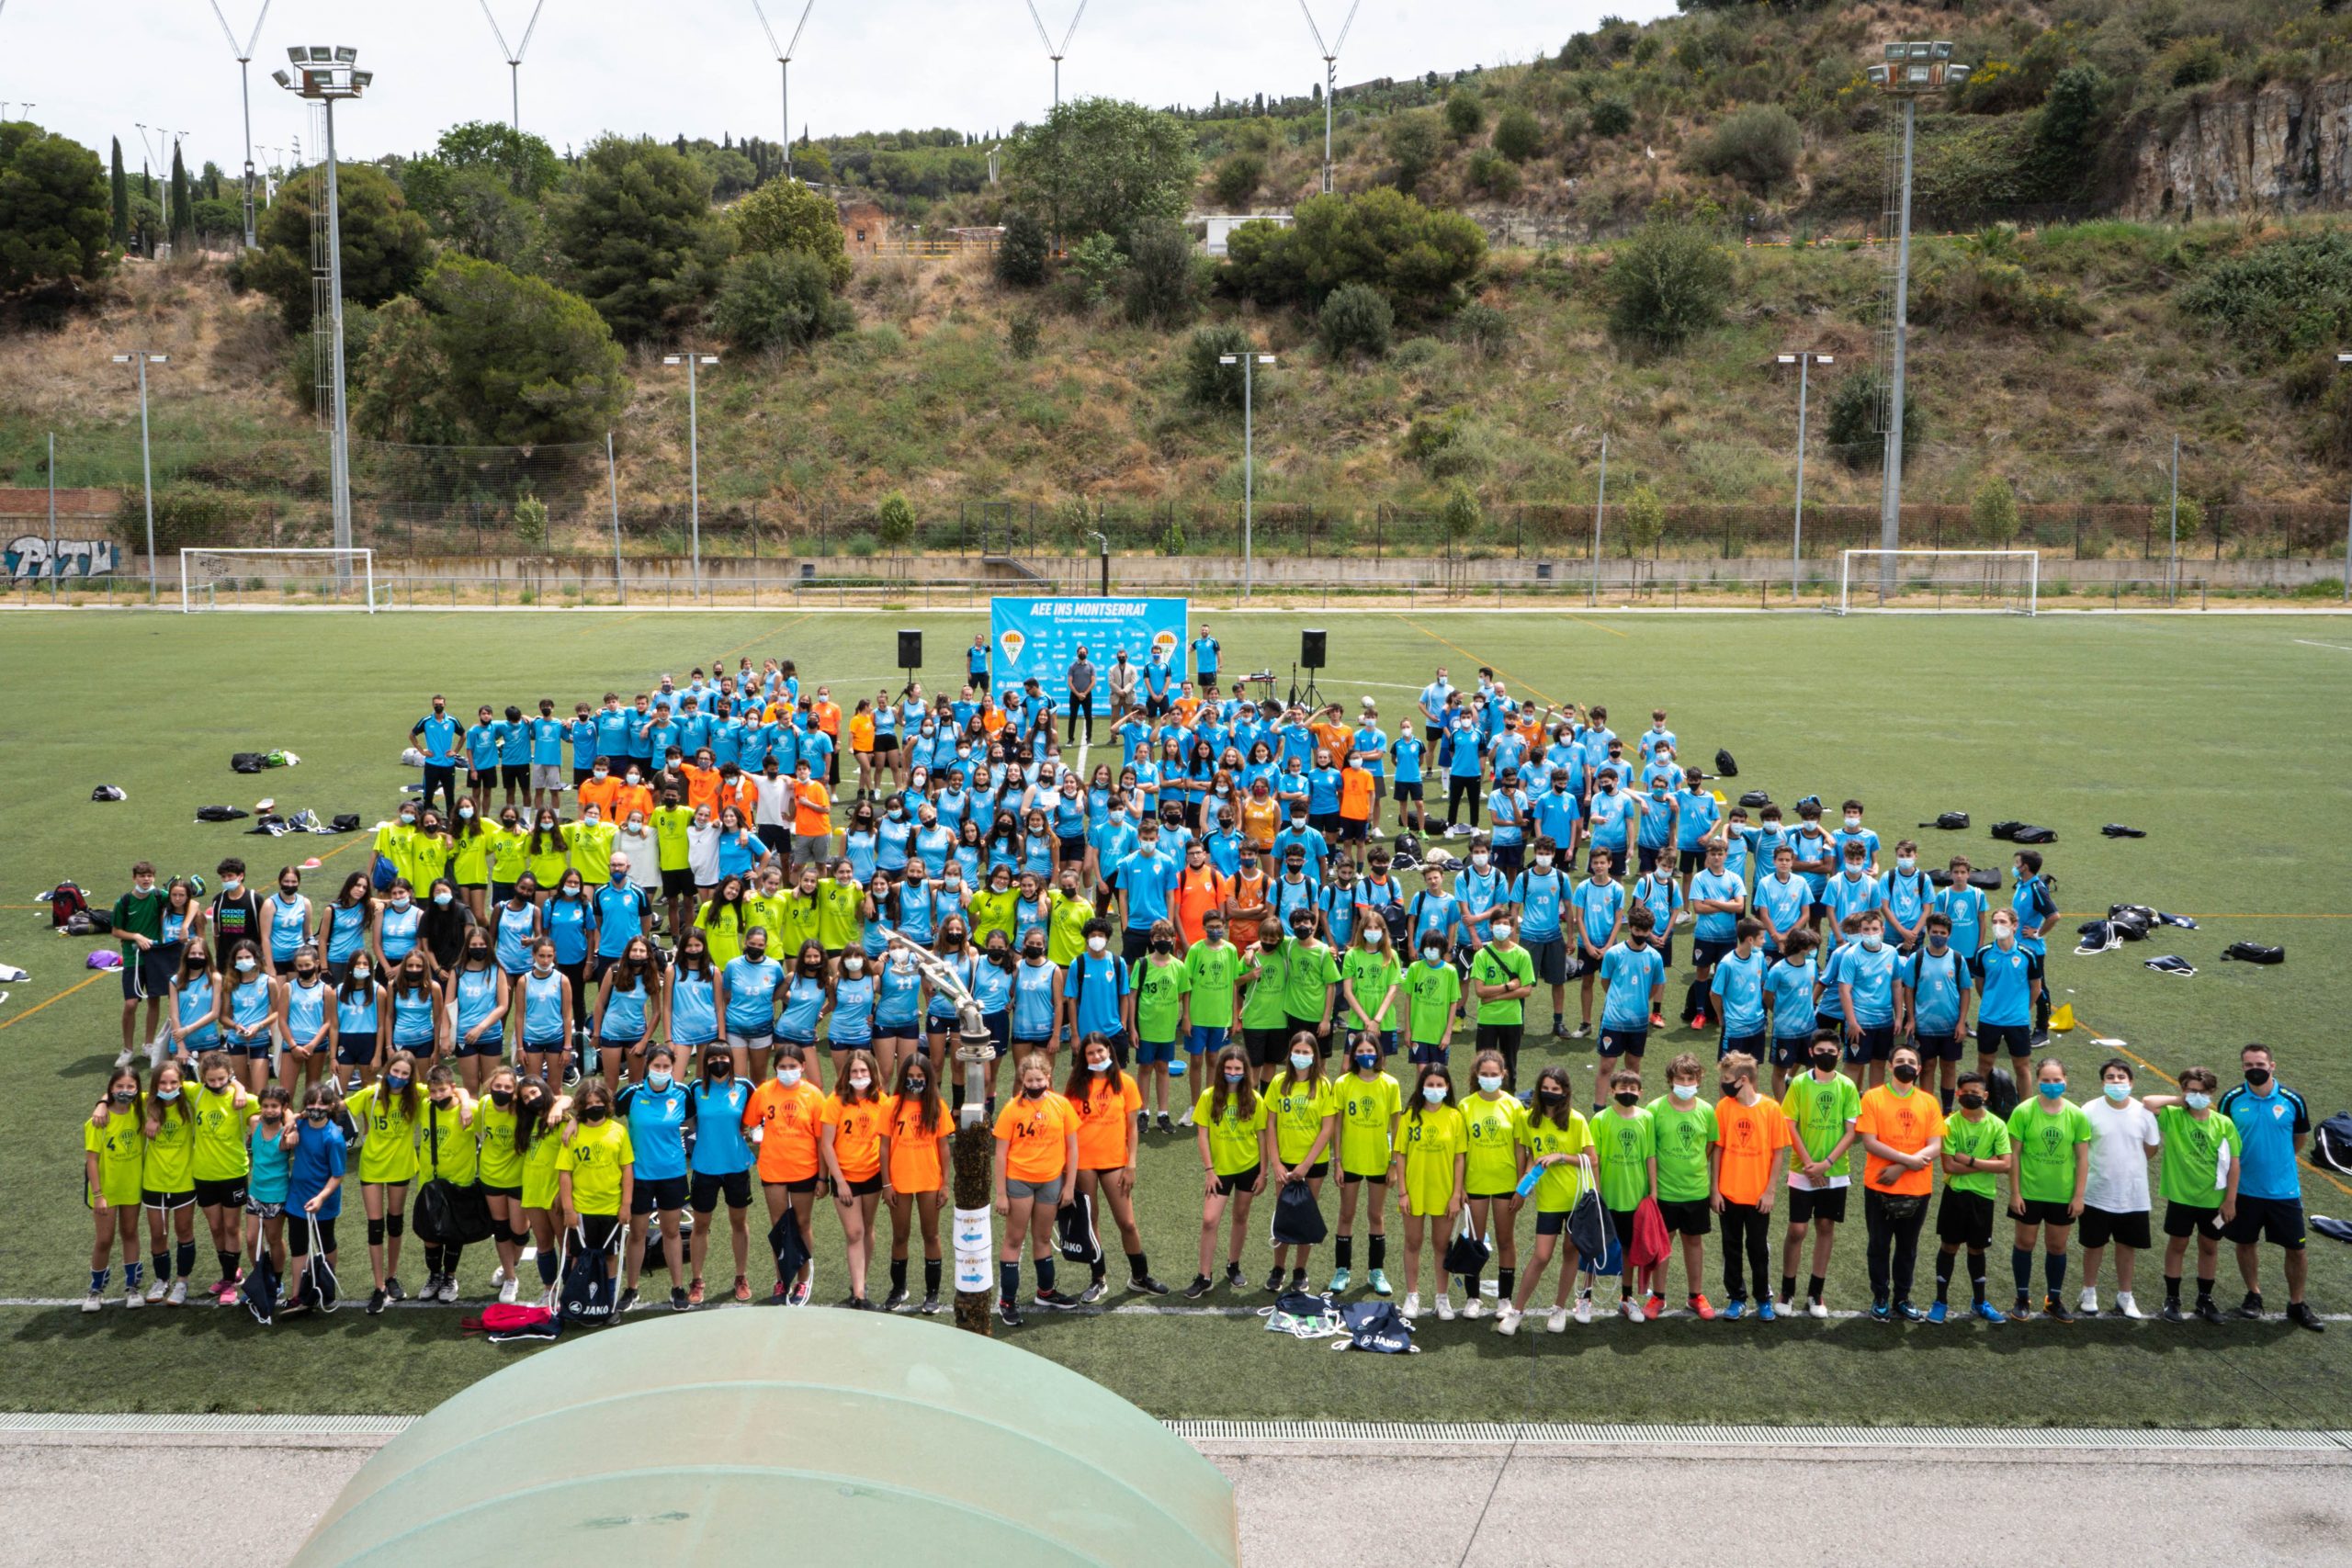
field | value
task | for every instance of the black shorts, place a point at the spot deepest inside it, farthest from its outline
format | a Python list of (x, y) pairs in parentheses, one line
[(1268, 1048), (678, 884), (665, 1194), (2044, 1211), (1549, 958), (865, 1186), (492, 1044), (1807, 1205), (1352, 830), (2183, 1221), (1324, 821), (1792, 1050), (1621, 1041), (1551, 1222), (227, 1194), (298, 1234), (1876, 1045), (800, 1188), (1403, 791), (703, 1189), (2279, 1221), (2101, 1226), (481, 781), (1620, 1224), (515, 775), (1689, 860), (1692, 1218), (513, 1195), (1506, 1195), (1071, 850), (1938, 1047), (167, 1202), (2017, 1037), (1751, 1043), (1239, 1181), (1351, 1178), (1965, 1219), (1649, 856), (354, 1050)]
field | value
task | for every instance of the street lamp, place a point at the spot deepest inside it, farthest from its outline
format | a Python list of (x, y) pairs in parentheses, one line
[(1331, 77), (1053, 54), (514, 57), (2347, 359), (325, 73), (1248, 459), (1910, 72), (244, 53), (783, 64), (1804, 359), (693, 362), (142, 359)]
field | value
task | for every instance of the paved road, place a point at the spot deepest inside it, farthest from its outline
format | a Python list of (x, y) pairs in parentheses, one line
[(246, 1504)]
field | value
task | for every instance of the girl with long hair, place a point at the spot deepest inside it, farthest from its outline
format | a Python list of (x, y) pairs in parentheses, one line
[(851, 1146), (915, 1130), (114, 1147), (1108, 1102), (388, 1109), (1231, 1123), (1036, 1152), (477, 1000), (1302, 1120), (1435, 1150)]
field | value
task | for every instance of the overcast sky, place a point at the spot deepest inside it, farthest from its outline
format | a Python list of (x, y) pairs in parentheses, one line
[(97, 68)]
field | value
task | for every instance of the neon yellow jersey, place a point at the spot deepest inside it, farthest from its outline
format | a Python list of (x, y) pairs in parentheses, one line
[(670, 824), (539, 1168), (170, 1153), (1233, 1137), (388, 1154), (1367, 1107), (499, 1164), (594, 1154), (1562, 1183), (121, 1149), (219, 1133), (1299, 1113), (507, 854), (1492, 1129), (1432, 1141), (447, 1145)]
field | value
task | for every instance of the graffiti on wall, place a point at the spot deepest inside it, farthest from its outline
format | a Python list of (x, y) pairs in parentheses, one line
[(32, 555)]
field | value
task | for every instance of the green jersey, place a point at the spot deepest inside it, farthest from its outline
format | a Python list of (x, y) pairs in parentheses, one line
[(1493, 966), (1434, 989), (1369, 972), (1367, 1107), (1684, 1135), (670, 824), (1261, 1006), (1160, 988), (1209, 970), (1308, 973), (1820, 1113), (2046, 1142), (1985, 1139), (1627, 1142), (2191, 1171), (1562, 1183)]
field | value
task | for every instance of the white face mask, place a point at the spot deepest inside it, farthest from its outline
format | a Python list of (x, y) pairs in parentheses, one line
[(788, 1076), (1374, 939), (1853, 821), (1479, 860), (1542, 862), (1096, 943), (1502, 931), (860, 1081), (1301, 1060), (1686, 1091), (1489, 1082)]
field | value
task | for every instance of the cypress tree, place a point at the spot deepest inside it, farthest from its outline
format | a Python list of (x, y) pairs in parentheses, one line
[(120, 189), (183, 220)]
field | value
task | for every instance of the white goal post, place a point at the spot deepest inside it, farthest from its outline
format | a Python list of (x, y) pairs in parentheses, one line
[(2007, 582), (277, 579)]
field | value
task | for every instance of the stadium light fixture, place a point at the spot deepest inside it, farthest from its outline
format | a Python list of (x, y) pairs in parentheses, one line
[(692, 361), (1248, 362), (1804, 359), (142, 359), (1331, 53), (784, 66)]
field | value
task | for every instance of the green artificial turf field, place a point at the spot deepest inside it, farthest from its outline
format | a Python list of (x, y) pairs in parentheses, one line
[(2222, 737)]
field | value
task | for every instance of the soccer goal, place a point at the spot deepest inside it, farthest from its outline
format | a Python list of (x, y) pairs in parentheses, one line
[(2003, 581), (277, 579)]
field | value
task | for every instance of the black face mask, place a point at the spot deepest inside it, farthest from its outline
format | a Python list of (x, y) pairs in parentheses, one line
[(1622, 1098), (502, 1096), (1823, 1061), (1906, 1072), (1550, 1096), (2257, 1076), (1972, 1101), (1730, 1088), (593, 1113)]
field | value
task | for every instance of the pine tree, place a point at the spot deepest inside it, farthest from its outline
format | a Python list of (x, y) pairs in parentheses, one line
[(182, 222), (120, 189)]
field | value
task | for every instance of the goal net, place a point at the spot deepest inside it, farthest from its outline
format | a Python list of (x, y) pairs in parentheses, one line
[(277, 579), (2005, 581)]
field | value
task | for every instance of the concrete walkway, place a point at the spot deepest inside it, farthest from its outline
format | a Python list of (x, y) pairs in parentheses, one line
[(247, 1502)]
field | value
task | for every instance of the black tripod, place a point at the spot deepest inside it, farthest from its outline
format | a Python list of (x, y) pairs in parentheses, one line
[(1313, 698)]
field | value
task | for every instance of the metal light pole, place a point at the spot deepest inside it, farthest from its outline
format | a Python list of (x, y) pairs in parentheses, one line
[(141, 358), (1056, 54), (783, 64), (1331, 75), (22, 110), (1248, 463), (613, 491), (244, 53), (1599, 502), (692, 361), (1804, 359), (2347, 359), (2172, 550), (325, 73), (1911, 71), (55, 568), (514, 57)]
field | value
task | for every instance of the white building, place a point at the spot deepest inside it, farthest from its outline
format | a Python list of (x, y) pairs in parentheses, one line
[(1220, 225)]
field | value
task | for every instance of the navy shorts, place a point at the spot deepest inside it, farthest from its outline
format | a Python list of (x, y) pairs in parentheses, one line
[(1876, 1045), (1706, 950), (1751, 1043), (1792, 1050), (354, 1050), (1615, 1042), (490, 1044), (2279, 1221), (1148, 1052), (1938, 1047), (2017, 1037), (1423, 1056)]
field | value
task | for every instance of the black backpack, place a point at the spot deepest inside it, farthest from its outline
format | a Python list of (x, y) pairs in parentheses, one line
[(1725, 765), (1695, 1002), (1755, 798), (1074, 1229), (220, 813), (2025, 835), (1949, 821), (346, 822), (248, 762), (2254, 953)]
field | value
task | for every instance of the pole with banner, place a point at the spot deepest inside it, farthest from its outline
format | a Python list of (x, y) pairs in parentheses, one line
[(1037, 639)]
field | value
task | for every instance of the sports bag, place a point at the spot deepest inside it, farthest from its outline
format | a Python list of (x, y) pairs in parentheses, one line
[(503, 1323), (445, 1214), (258, 1289), (344, 822), (1378, 1326), (1074, 1229), (587, 1291), (1948, 821), (2332, 1144), (1755, 798), (1466, 1254), (65, 901), (2025, 835), (1588, 1227), (220, 813), (1298, 1219), (1725, 766), (2254, 952), (1304, 1315), (248, 762)]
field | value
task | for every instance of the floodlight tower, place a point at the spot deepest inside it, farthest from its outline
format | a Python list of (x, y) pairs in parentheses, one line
[(1331, 75), (1053, 54), (514, 57), (325, 73), (784, 65), (244, 53), (1911, 69)]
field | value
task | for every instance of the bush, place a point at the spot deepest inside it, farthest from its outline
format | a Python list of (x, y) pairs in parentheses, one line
[(1518, 136), (1411, 140), (1669, 283), (1459, 516), (522, 361), (1021, 335), (1206, 382), (2160, 520), (1101, 166), (894, 523), (785, 215), (56, 211), (1421, 259), (1993, 511), (1494, 174), (1237, 179), (1642, 524), (2289, 295), (1099, 263), (531, 520), (1463, 118), (1757, 145), (1446, 445), (1161, 286), (1854, 434), (1355, 318), (1611, 116), (1483, 329), (779, 299), (1023, 254)]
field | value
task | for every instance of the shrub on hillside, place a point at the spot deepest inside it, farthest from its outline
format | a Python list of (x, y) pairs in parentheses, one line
[(1237, 179), (1411, 140), (1494, 174), (1463, 118), (1856, 433), (2289, 295), (1422, 260), (1161, 287), (1669, 283), (1483, 329), (1611, 116), (785, 215), (1208, 382), (1355, 318), (1021, 254), (778, 300), (1755, 144), (1518, 136)]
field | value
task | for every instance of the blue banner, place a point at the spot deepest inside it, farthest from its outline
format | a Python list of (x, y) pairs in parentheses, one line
[(1039, 637)]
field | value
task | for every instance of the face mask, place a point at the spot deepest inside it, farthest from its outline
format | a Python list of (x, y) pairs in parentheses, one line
[(395, 1085), (1234, 1075), (168, 1095), (1906, 864), (1096, 943), (442, 899), (1730, 1088), (1873, 943), (860, 1081), (1489, 1082), (408, 819), (1030, 1091), (1433, 1092), (1302, 1060), (246, 966), (1824, 1061), (1432, 955), (360, 971), (594, 1113), (1906, 1072), (788, 1076), (1481, 859), (1502, 931), (1686, 1091), (122, 1097), (2195, 1099), (399, 901), (1366, 1061), (2117, 1093), (1972, 1101), (1542, 862), (2053, 1090), (2257, 1076), (1622, 1096), (1853, 821), (304, 971)]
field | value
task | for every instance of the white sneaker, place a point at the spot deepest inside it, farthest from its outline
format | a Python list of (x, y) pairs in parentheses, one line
[(1507, 1320), (2127, 1307), (1412, 1303), (1631, 1309), (94, 1300), (178, 1296), (1185, 1120), (132, 1298), (2088, 1305), (507, 1289), (1818, 1309), (1474, 1308), (1583, 1307), (1558, 1321), (158, 1289), (448, 1289), (1445, 1307), (498, 1279), (123, 1060)]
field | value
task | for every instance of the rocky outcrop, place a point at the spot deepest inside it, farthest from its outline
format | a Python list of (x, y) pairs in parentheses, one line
[(2281, 148)]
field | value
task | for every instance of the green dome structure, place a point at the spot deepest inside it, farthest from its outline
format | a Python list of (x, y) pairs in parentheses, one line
[(813, 1437)]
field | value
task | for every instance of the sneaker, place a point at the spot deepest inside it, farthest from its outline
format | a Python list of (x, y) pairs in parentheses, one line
[(376, 1300), (1658, 1021), (1936, 1313), (800, 1294), (1700, 1022), (1165, 1125), (1473, 1307), (1817, 1307), (2172, 1313), (1146, 1285), (1379, 1279), (1703, 1307), (123, 1060), (225, 1293), (177, 1294), (1341, 1280), (1185, 1120), (1906, 1312), (1735, 1309), (2055, 1310), (742, 1289), (1557, 1320), (1445, 1307), (627, 1303), (2087, 1305), (1233, 1278), (2209, 1311), (158, 1289), (1767, 1310), (1094, 1292), (1581, 1029), (392, 1288), (94, 1300), (1413, 1305), (1507, 1320), (1008, 1313), (1200, 1287), (2125, 1307), (1274, 1278), (929, 1307), (1584, 1306), (678, 1302), (2020, 1310), (2300, 1314), (448, 1288), (1653, 1305), (1559, 1030), (694, 1294), (432, 1287), (132, 1298), (1990, 1313), (1881, 1313), (498, 1279), (1631, 1309), (2250, 1308)]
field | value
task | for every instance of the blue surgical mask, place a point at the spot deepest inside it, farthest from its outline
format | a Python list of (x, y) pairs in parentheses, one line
[(1433, 1092), (2195, 1099), (1301, 1060), (394, 1086), (168, 1095), (2117, 1093), (2053, 1090), (1686, 1091)]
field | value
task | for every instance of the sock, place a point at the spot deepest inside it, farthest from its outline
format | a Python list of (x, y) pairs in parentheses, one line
[(1470, 1283), (1379, 1250), (228, 1263), (1045, 1275), (1943, 1276), (2204, 1290), (184, 1259), (2053, 1269), (2021, 1265), (546, 1260), (130, 1274), (898, 1275), (931, 1276), (1138, 1266), (162, 1266), (1346, 1248), (1813, 1285), (2172, 1289), (98, 1280), (1788, 1287), (1097, 1271), (1008, 1280), (1976, 1275), (1506, 1280)]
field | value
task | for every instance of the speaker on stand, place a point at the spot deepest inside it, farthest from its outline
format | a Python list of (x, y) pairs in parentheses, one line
[(1310, 654), (910, 654)]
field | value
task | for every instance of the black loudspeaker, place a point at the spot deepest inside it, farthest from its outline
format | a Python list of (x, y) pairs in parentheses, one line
[(910, 650), (1310, 648)]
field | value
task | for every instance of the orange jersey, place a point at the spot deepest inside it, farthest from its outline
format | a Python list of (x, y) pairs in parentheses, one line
[(702, 786), (915, 1164), (828, 718), (1750, 1136), (1103, 1117), (812, 810), (600, 793), (1199, 894), (789, 1119), (1335, 739), (1185, 708), (860, 731), (1036, 1134), (1906, 1123), (627, 798), (1248, 890), (1258, 819), (1355, 795), (857, 1135)]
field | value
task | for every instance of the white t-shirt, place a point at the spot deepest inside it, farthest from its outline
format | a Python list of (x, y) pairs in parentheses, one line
[(2119, 1175), (771, 801)]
